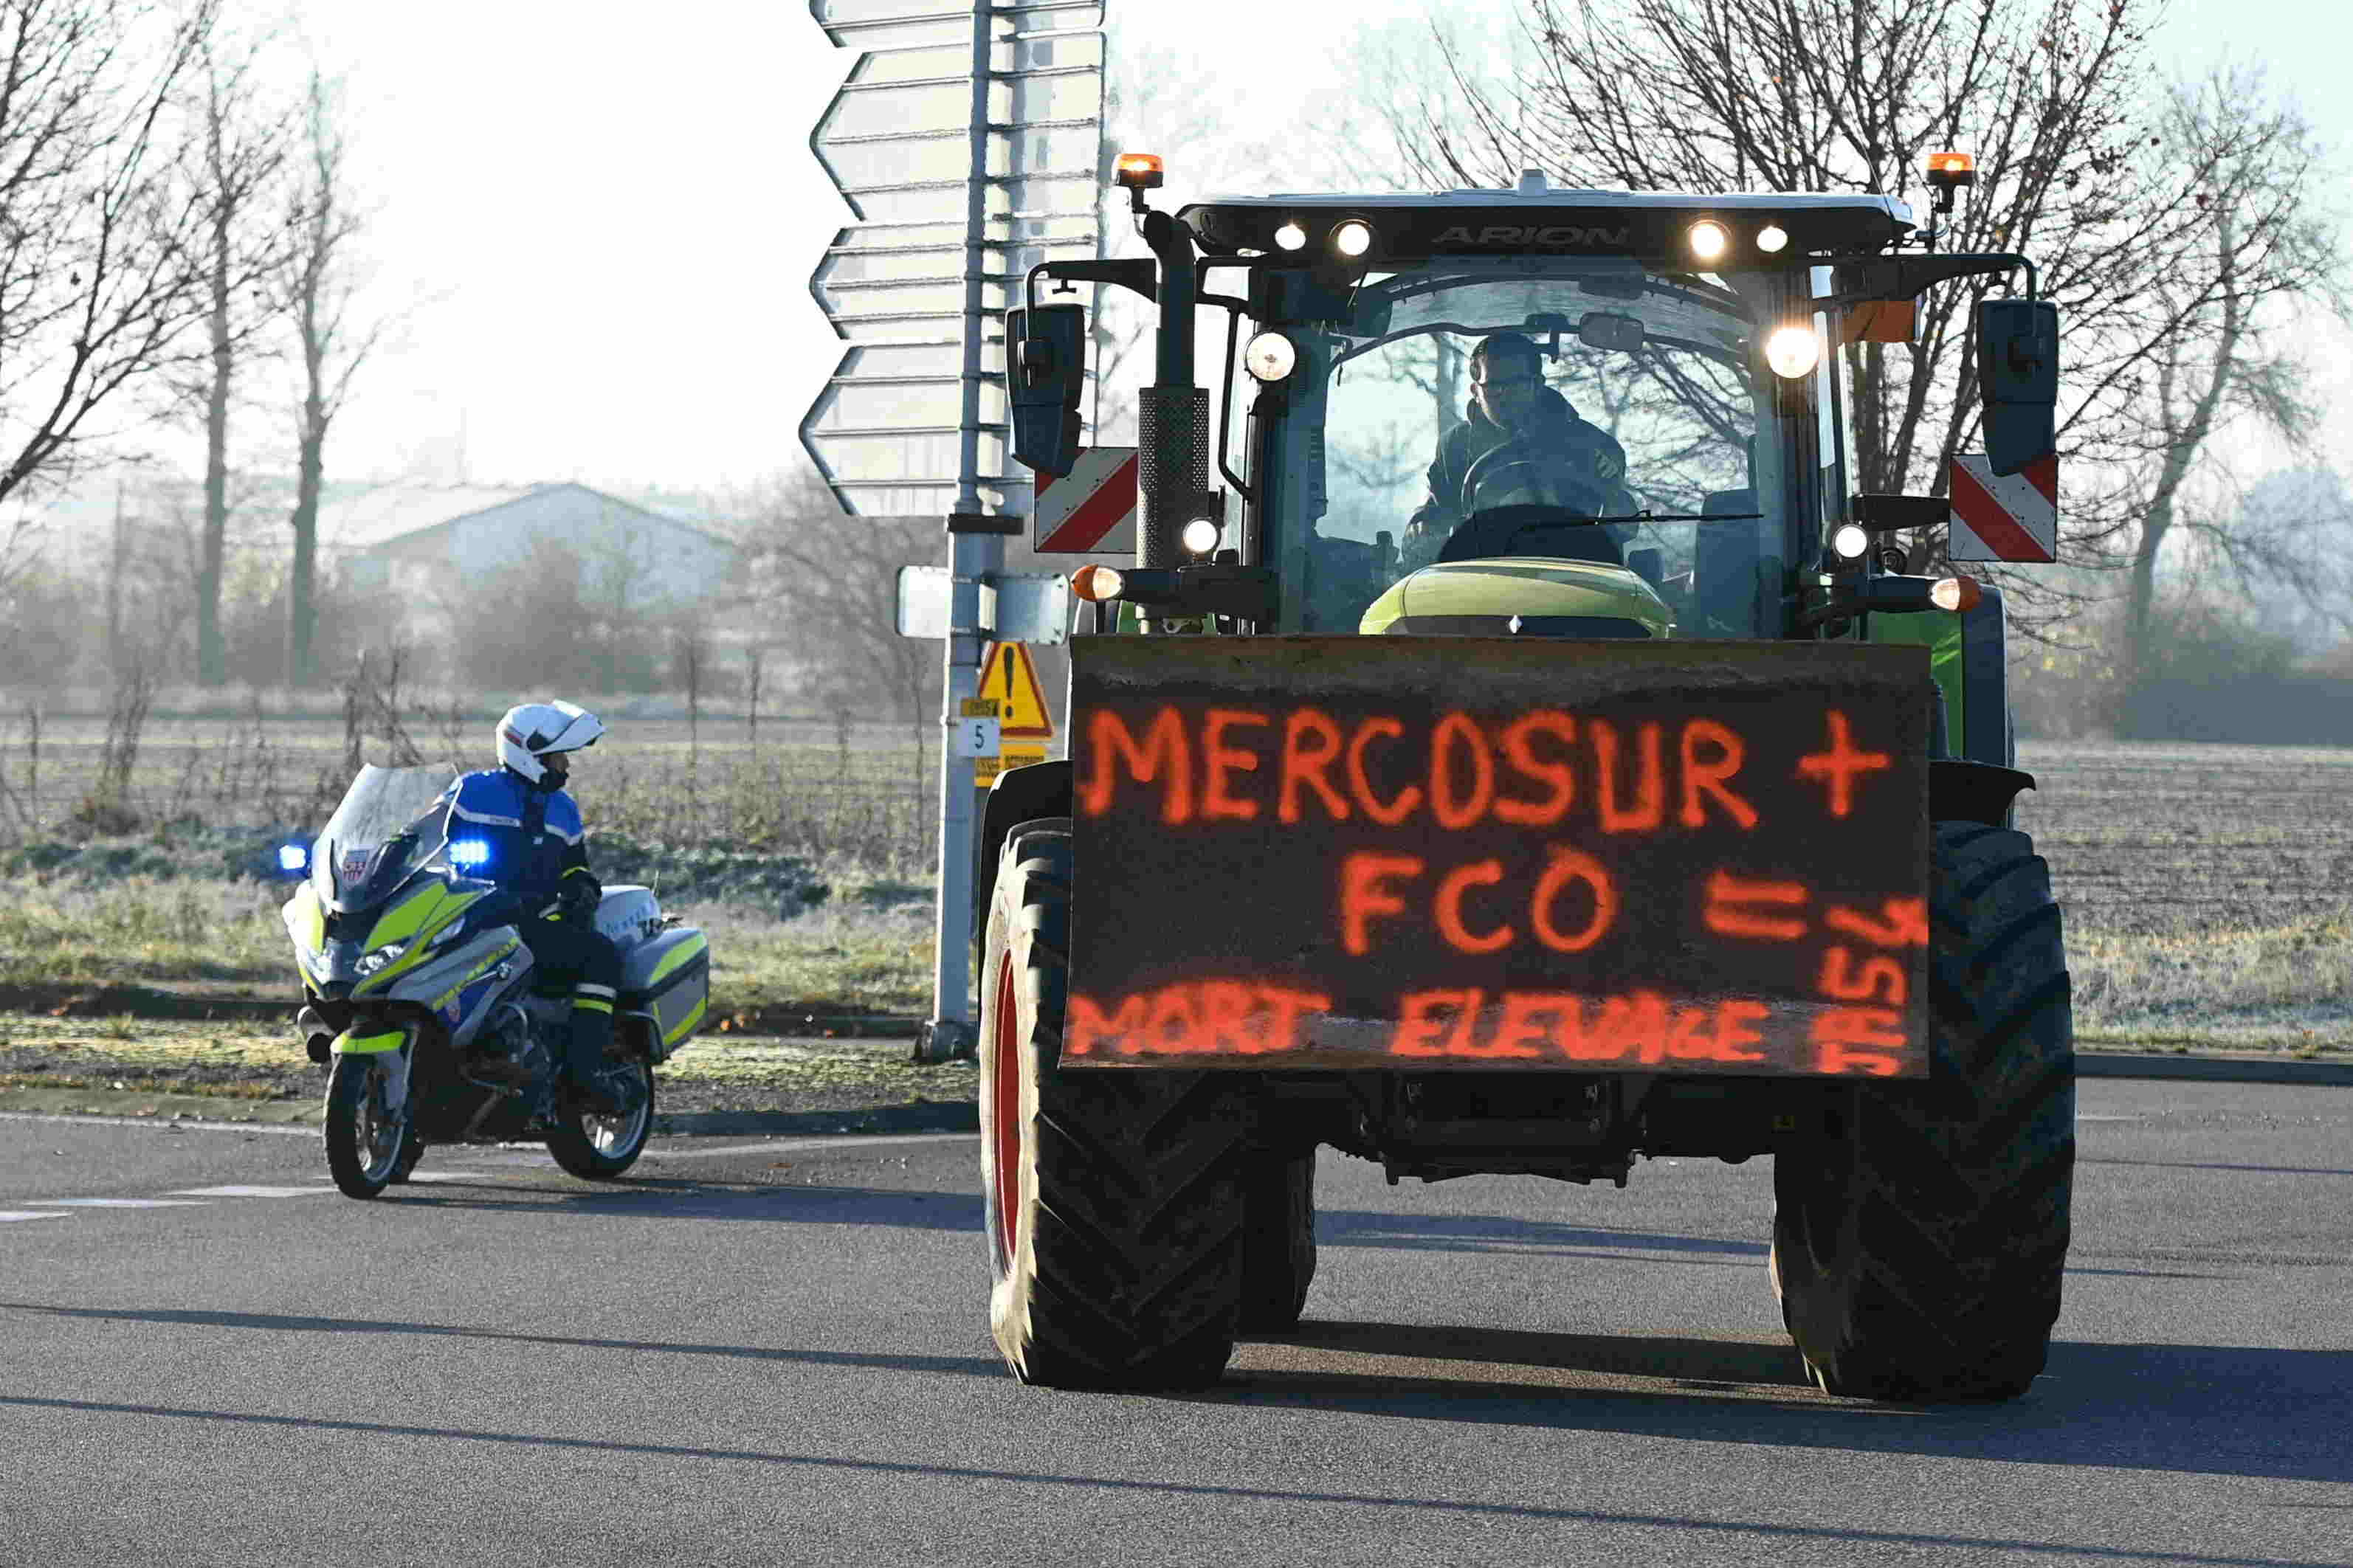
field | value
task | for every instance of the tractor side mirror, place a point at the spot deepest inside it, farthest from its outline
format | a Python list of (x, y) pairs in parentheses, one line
[(2018, 374), (1893, 513), (1046, 365)]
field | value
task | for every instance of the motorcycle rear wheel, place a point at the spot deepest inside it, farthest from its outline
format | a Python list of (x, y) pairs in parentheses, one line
[(364, 1143), (599, 1148)]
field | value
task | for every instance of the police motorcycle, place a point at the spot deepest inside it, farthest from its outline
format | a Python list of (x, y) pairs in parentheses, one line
[(418, 987)]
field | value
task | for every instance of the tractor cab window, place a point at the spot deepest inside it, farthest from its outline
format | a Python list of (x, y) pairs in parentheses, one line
[(1535, 410)]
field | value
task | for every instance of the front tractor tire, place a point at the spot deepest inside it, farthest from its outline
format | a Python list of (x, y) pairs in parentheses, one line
[(1115, 1195), (1278, 1240), (1918, 1250)]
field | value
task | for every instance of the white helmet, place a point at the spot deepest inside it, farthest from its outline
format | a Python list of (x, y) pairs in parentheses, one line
[(534, 732)]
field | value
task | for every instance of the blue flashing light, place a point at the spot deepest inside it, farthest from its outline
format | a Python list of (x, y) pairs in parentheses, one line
[(468, 853), (293, 857)]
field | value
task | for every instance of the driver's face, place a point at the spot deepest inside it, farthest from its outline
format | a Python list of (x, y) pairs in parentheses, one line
[(1506, 391)]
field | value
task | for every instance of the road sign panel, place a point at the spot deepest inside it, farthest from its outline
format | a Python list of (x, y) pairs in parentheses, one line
[(985, 769), (891, 23), (1089, 510), (974, 737), (2006, 517), (889, 434), (1007, 675)]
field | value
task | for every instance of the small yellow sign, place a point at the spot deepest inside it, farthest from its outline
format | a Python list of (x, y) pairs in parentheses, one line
[(978, 707), (985, 769), (1007, 675)]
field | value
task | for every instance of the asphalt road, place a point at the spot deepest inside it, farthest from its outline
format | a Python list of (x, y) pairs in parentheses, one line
[(775, 1354)]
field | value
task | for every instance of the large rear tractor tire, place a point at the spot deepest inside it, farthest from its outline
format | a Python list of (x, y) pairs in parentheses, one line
[(1278, 1240), (1918, 1250), (1113, 1195)]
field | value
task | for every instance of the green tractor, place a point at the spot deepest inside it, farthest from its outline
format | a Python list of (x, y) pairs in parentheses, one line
[(1532, 760)]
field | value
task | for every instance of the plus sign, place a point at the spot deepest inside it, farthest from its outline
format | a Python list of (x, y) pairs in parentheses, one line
[(1841, 764)]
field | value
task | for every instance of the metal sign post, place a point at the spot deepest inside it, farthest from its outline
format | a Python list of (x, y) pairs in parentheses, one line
[(967, 141)]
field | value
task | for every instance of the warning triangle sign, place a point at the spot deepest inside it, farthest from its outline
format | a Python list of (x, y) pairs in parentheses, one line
[(1007, 675)]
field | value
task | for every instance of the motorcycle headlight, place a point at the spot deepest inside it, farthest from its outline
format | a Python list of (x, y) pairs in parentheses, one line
[(370, 962)]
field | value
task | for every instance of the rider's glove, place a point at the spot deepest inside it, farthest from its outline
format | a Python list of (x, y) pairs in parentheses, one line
[(577, 896)]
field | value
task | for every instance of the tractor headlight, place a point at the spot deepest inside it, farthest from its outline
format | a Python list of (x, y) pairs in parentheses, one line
[(1201, 535), (1793, 351), (1271, 357), (1850, 540), (1352, 239), (1291, 236), (1772, 238), (1708, 240)]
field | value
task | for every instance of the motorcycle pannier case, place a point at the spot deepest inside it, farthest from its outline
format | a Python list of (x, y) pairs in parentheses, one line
[(669, 980)]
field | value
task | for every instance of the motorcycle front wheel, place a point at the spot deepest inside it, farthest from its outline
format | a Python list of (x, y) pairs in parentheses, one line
[(598, 1148), (364, 1138)]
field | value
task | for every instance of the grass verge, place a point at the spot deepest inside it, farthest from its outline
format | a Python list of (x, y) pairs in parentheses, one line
[(867, 951), (247, 1071)]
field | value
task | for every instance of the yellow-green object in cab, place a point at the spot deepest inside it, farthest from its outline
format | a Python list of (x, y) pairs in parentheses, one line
[(1479, 598)]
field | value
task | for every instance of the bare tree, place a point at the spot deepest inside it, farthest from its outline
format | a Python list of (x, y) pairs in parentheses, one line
[(828, 583), (2231, 355), (239, 147), (102, 272), (320, 276), (2055, 98)]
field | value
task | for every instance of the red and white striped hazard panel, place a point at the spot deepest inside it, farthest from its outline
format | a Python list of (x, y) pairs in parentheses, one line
[(2010, 517), (1090, 510)]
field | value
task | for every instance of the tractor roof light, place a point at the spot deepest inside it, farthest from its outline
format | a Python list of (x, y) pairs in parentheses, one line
[(1708, 240), (1291, 236), (1096, 583), (1138, 173), (1960, 593), (1947, 170), (1793, 350), (1772, 239), (1352, 239), (1271, 357)]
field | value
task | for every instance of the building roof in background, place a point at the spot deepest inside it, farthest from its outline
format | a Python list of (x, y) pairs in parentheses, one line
[(382, 513)]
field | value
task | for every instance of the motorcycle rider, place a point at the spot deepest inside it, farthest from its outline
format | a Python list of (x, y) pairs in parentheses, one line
[(537, 850), (1511, 403)]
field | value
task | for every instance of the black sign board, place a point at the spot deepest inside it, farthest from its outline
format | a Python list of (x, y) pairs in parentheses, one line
[(1435, 852)]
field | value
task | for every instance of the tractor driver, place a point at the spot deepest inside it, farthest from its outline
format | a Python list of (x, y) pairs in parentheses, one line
[(1539, 451)]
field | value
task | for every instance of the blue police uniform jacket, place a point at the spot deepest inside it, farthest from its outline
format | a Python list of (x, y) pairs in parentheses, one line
[(533, 836)]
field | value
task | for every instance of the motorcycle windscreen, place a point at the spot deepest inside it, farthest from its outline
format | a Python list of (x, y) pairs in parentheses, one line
[(390, 823)]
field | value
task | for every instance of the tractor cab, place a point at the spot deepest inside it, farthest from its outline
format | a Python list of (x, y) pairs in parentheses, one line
[(1592, 413)]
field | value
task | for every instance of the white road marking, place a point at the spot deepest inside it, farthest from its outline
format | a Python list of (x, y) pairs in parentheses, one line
[(803, 1146), (6, 1215), (453, 1176), (248, 1192), (117, 1203), (167, 1125)]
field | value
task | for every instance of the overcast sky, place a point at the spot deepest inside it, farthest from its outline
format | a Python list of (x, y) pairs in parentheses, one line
[(611, 216)]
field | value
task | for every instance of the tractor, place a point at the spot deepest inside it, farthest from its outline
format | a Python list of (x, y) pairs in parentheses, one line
[(1534, 757)]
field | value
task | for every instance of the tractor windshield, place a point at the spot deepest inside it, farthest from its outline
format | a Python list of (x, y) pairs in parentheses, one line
[(1552, 408)]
